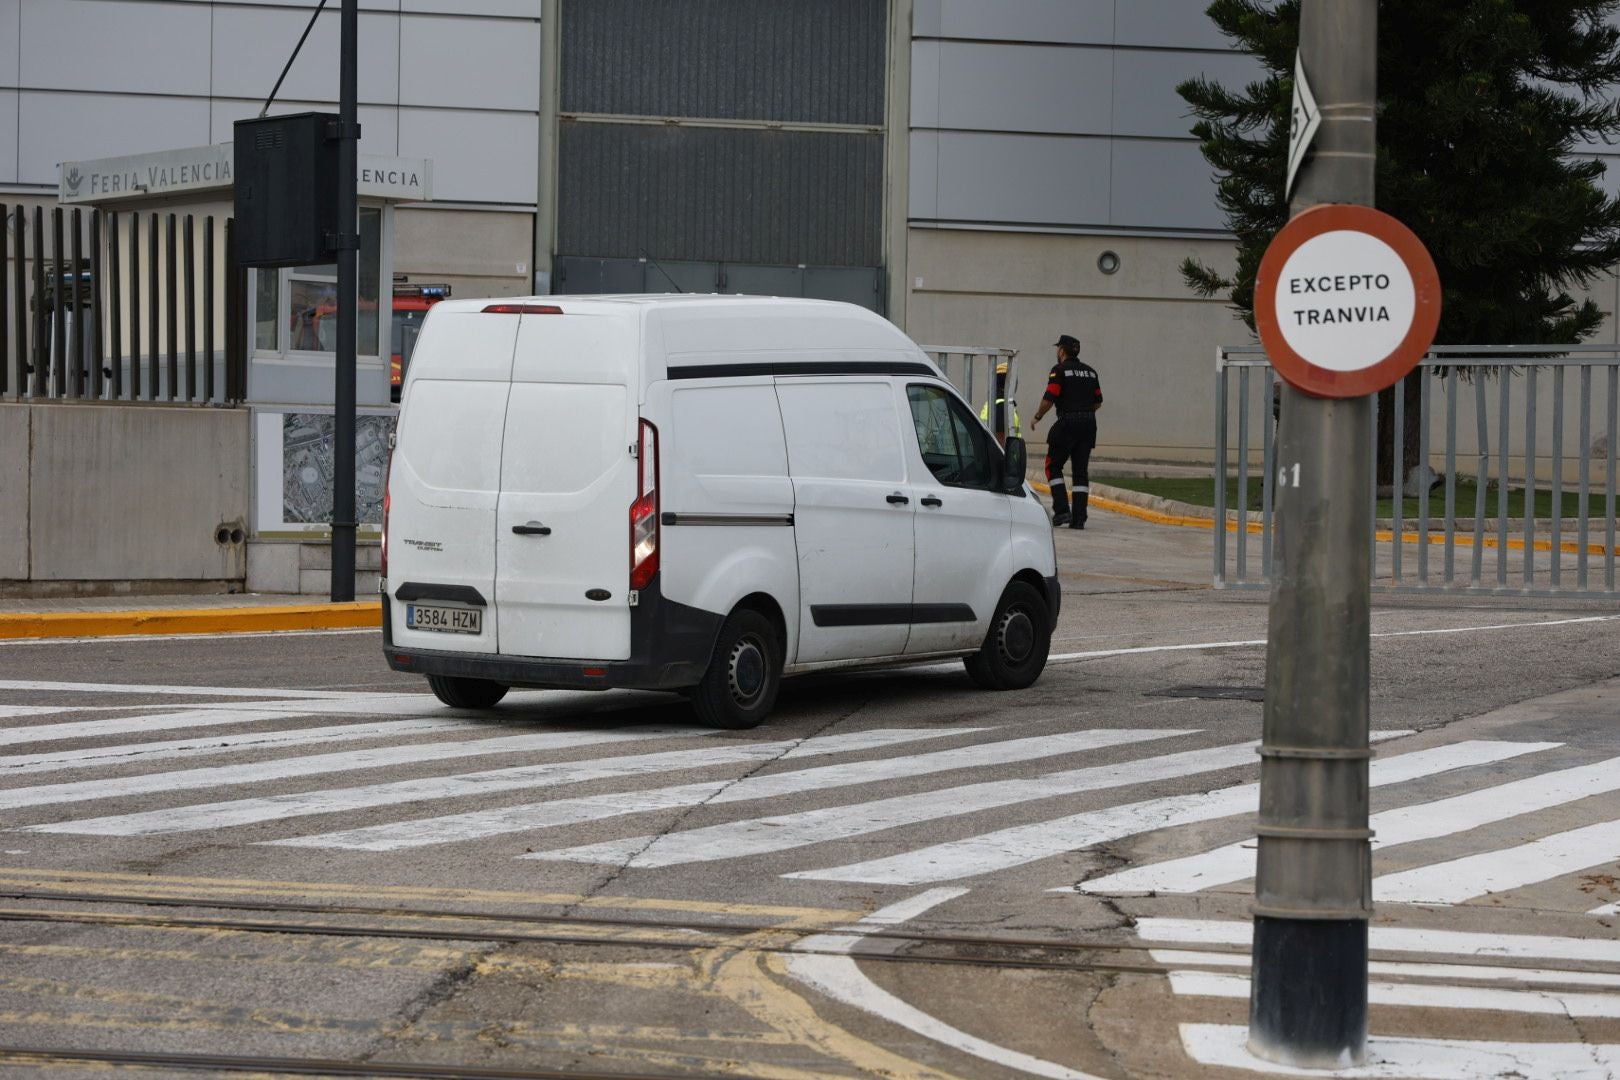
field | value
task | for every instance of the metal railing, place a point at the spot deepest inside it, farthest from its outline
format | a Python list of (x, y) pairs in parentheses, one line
[(1526, 401), (972, 370), (99, 306)]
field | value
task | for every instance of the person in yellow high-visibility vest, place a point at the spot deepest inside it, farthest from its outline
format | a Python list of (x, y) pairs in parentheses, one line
[(1012, 419)]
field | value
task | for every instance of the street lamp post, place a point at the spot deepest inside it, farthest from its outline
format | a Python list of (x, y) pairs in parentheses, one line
[(348, 246)]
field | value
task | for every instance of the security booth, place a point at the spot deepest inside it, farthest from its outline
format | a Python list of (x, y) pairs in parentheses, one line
[(289, 314)]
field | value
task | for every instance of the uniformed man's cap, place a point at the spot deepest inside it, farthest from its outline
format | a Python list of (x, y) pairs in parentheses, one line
[(1069, 341)]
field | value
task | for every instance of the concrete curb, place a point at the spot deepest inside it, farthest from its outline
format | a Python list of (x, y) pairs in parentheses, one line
[(158, 621)]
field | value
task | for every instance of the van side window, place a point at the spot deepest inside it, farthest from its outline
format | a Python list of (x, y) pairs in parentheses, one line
[(954, 445)]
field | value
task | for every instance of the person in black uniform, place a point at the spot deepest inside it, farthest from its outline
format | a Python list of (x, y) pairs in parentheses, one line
[(1075, 391)]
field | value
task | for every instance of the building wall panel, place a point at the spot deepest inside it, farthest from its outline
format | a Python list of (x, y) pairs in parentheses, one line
[(10, 30), (477, 156), (251, 45), (1072, 21), (58, 127), (1145, 80), (1157, 181), (114, 45), (469, 63), (800, 61), (991, 87), (1161, 24), (1036, 180), (379, 124), (8, 136), (627, 190)]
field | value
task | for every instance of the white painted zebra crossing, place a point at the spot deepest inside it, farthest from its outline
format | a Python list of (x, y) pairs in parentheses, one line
[(846, 810), (1438, 984), (1406, 825)]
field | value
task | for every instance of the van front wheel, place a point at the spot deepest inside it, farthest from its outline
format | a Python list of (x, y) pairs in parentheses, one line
[(739, 689), (463, 693), (1014, 652)]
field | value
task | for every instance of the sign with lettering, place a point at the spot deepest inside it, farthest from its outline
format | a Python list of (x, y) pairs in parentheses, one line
[(201, 169), (1346, 302), (1303, 121)]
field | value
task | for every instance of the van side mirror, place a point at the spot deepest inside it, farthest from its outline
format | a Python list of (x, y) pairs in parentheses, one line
[(1014, 465)]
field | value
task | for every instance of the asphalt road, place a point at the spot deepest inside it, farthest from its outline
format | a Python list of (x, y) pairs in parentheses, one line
[(272, 846)]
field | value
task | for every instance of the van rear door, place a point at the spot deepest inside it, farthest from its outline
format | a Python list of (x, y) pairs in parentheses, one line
[(444, 485), (568, 480)]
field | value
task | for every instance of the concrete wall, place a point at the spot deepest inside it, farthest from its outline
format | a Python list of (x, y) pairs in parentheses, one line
[(1151, 340), (479, 253), (122, 493)]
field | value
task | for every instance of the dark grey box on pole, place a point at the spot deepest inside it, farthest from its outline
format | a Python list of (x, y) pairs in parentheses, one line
[(286, 182), (1313, 882)]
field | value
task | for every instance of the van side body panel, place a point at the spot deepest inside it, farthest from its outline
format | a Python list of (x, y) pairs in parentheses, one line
[(726, 500)]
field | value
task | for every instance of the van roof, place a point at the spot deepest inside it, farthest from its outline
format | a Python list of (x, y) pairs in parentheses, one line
[(652, 300)]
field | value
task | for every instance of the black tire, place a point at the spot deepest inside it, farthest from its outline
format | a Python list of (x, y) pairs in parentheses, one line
[(739, 689), (462, 693), (1014, 651)]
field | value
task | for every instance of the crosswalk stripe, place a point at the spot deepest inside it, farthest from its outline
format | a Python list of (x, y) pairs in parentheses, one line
[(784, 831), (1418, 996), (464, 785), (1398, 939), (345, 761), (1406, 825), (546, 815), (1226, 1046), (1006, 848), (1457, 880), (1432, 972), (185, 691), (201, 745), (124, 725)]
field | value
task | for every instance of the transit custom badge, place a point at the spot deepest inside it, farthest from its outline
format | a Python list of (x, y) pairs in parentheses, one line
[(1346, 302)]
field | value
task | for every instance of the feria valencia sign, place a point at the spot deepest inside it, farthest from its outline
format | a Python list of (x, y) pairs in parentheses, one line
[(201, 170), (1347, 301)]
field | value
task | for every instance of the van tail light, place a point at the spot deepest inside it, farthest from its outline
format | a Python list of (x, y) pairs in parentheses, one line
[(388, 475), (523, 309), (644, 511)]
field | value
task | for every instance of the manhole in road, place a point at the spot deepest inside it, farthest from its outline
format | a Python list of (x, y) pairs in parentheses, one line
[(1212, 693)]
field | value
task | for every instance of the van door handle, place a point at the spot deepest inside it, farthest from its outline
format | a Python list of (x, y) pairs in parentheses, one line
[(533, 528), (930, 500), (898, 499)]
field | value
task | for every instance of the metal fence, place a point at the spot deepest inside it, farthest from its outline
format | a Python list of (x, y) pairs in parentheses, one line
[(99, 306), (1510, 488), (972, 370)]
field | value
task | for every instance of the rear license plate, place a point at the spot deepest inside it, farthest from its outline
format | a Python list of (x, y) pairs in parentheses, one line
[(445, 620)]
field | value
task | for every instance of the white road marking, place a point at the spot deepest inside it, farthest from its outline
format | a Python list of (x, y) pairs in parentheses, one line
[(84, 757), (1226, 1046), (471, 785), (1416, 996), (1432, 972), (185, 691), (1399, 939), (124, 725), (1406, 825), (533, 816), (841, 979), (345, 761), (784, 831), (1007, 848), (1457, 880)]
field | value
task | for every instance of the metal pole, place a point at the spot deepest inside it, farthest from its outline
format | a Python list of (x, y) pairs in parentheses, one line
[(343, 523), (1313, 886)]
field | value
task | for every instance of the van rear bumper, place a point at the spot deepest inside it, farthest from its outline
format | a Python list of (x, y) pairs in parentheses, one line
[(670, 647)]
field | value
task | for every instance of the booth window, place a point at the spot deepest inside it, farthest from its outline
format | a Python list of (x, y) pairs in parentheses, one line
[(310, 320)]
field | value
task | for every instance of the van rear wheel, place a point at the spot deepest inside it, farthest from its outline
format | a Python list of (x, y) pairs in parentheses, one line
[(462, 693), (739, 689), (1014, 651)]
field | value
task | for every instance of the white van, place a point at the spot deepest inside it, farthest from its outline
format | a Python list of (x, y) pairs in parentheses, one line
[(699, 494)]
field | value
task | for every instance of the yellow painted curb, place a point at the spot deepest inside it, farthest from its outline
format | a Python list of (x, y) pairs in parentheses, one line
[(46, 624), (1436, 539)]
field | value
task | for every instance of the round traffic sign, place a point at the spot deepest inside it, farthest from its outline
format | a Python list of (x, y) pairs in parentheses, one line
[(1346, 302)]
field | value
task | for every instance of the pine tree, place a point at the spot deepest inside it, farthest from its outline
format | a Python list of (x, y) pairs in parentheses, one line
[(1485, 110)]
